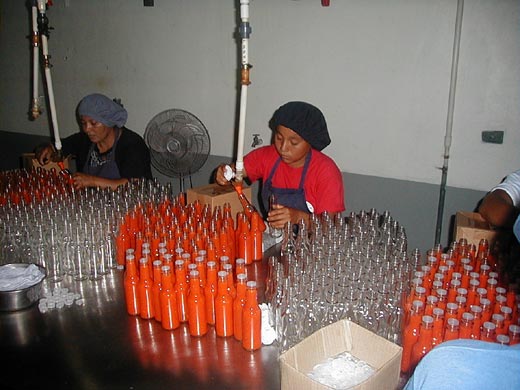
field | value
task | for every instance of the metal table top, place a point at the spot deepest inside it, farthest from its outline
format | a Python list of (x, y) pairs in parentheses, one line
[(99, 346)]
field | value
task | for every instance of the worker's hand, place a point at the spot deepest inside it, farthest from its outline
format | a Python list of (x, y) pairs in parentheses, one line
[(44, 154), (82, 180), (219, 175), (280, 215)]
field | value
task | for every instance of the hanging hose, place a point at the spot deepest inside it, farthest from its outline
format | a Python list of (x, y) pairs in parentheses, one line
[(245, 32), (35, 106), (43, 25), (449, 120)]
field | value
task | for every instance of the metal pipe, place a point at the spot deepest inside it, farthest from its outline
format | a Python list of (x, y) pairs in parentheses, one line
[(35, 106), (449, 119), (42, 5), (245, 31)]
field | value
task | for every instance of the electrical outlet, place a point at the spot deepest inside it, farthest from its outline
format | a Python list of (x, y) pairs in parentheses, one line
[(493, 136)]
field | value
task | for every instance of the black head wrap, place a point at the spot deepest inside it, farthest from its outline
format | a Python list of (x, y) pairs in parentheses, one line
[(304, 119)]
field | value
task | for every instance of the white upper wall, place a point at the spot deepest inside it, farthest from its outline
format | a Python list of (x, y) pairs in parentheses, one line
[(378, 69)]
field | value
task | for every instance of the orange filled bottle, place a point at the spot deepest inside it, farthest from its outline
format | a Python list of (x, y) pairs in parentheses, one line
[(169, 308), (131, 281), (466, 325), (488, 332), (438, 326), (452, 329), (451, 311), (223, 307), (210, 291), (145, 290), (245, 242), (240, 266), (228, 268), (181, 290), (514, 334), (251, 319), (485, 304), (156, 289), (197, 322), (472, 292), (477, 317), (498, 320), (238, 304), (424, 343), (411, 335)]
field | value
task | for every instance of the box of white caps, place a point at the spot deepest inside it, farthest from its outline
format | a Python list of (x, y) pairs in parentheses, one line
[(380, 355)]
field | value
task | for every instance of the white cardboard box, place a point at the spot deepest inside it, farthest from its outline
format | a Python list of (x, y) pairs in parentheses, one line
[(342, 336)]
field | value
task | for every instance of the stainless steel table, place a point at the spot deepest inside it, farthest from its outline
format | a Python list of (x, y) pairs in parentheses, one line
[(100, 346)]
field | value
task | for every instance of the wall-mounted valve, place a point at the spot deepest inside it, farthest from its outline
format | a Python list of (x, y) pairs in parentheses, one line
[(257, 140)]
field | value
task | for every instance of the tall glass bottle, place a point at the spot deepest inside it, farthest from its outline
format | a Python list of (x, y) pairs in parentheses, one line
[(452, 329), (156, 289), (197, 322), (210, 291), (223, 307), (238, 304), (424, 343), (169, 308), (411, 335), (251, 319), (145, 290), (181, 290), (131, 281)]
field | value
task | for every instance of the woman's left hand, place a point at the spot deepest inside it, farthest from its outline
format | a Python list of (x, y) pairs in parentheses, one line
[(280, 215), (82, 180)]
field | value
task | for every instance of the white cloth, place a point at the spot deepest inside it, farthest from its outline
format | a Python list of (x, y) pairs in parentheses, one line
[(511, 185), (16, 278)]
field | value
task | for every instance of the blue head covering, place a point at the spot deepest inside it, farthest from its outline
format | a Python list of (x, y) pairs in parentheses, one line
[(304, 119), (103, 109)]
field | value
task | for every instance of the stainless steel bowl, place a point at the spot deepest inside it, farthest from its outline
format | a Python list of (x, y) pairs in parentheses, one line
[(23, 298)]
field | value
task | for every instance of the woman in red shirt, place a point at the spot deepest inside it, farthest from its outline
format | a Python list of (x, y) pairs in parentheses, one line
[(293, 169)]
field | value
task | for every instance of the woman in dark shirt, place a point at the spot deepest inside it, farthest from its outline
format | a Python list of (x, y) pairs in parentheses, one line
[(107, 153)]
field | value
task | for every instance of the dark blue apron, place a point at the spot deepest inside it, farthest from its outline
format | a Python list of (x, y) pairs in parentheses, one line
[(289, 197), (102, 166)]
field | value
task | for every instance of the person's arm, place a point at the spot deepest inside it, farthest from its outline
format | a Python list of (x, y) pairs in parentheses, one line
[(497, 208), (280, 215), (82, 180)]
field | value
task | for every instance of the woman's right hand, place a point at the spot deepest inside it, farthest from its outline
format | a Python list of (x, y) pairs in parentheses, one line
[(219, 175), (44, 154)]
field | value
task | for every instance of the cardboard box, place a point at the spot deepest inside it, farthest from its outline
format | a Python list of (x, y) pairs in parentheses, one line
[(29, 161), (342, 336), (473, 228), (216, 195)]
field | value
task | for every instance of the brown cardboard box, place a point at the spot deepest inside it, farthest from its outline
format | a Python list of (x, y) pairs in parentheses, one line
[(342, 336), (473, 228), (216, 195), (29, 161)]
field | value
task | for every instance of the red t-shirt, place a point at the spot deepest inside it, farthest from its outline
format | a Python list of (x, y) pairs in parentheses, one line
[(323, 184)]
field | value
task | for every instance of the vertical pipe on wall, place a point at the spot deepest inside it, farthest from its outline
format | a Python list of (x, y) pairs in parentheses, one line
[(449, 119), (245, 31)]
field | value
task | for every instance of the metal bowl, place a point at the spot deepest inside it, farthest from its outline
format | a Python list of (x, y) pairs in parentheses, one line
[(14, 300)]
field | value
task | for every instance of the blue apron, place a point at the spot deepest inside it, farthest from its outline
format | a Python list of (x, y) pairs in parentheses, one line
[(102, 166), (289, 197)]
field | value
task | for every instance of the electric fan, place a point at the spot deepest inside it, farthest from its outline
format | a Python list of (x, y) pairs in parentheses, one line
[(179, 143)]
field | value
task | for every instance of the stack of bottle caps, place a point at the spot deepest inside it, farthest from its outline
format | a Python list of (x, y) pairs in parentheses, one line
[(186, 263), (458, 294)]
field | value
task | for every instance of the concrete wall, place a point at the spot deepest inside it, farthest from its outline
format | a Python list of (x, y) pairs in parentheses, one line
[(379, 70)]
